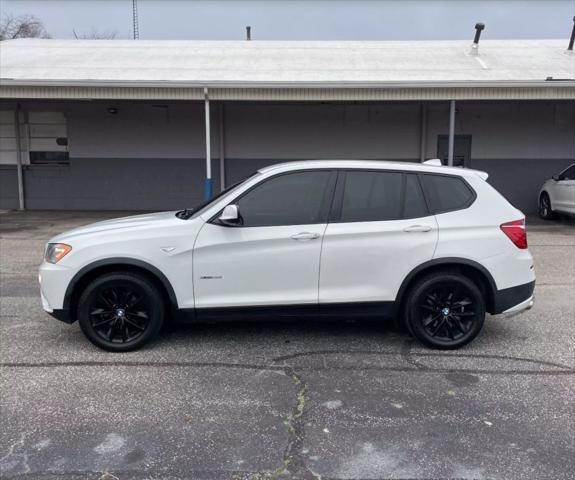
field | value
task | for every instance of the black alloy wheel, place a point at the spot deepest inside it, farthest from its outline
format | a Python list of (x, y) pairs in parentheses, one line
[(120, 311), (545, 211), (445, 310)]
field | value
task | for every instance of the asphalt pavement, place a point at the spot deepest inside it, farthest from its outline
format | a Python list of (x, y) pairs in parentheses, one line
[(298, 400)]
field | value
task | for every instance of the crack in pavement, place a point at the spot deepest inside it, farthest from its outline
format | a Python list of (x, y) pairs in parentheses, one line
[(405, 353), (293, 464)]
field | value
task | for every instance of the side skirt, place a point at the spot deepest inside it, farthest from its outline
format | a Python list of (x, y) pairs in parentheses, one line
[(356, 310)]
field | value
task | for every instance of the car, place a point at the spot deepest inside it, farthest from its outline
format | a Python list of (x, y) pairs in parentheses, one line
[(433, 247), (557, 194)]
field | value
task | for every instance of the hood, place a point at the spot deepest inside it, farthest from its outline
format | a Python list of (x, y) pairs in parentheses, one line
[(147, 220)]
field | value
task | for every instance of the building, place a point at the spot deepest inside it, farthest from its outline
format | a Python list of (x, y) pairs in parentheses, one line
[(153, 125)]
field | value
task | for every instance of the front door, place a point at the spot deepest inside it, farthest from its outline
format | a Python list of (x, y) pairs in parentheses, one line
[(272, 257), (375, 238)]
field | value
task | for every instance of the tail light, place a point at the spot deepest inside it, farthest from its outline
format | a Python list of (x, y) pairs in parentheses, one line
[(515, 231)]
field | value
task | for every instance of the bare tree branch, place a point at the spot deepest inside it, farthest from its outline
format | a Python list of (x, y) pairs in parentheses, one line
[(24, 26), (96, 34)]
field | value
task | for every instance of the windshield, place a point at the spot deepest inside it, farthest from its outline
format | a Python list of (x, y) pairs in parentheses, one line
[(201, 207)]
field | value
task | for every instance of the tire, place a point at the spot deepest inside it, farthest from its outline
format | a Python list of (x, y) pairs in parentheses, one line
[(120, 311), (445, 310), (545, 210)]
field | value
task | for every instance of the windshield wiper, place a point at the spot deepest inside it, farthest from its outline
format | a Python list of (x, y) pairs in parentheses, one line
[(186, 213)]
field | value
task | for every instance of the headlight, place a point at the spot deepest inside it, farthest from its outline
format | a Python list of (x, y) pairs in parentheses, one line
[(56, 252)]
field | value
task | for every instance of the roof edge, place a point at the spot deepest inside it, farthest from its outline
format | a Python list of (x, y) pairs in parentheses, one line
[(555, 83)]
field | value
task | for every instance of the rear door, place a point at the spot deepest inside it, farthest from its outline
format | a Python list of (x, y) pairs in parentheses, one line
[(380, 229)]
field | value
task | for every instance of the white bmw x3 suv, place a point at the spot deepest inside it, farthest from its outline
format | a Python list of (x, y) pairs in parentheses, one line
[(433, 246)]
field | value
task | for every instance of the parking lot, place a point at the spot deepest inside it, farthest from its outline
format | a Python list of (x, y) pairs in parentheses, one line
[(302, 400)]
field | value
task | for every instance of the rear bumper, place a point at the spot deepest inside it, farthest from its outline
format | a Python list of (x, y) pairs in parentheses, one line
[(514, 299), (526, 305)]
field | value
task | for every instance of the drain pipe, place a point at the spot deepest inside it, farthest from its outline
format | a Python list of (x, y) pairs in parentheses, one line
[(21, 205), (208, 181), (222, 130), (451, 133), (423, 133)]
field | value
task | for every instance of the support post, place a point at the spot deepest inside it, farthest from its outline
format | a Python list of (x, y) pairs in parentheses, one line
[(451, 133), (222, 149), (21, 205), (423, 133), (208, 181)]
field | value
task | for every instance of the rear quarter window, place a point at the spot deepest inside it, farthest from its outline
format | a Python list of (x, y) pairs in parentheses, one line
[(447, 193)]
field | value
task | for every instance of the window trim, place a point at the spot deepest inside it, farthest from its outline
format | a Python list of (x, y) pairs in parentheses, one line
[(326, 203), (335, 215), (420, 188), (428, 200), (333, 196)]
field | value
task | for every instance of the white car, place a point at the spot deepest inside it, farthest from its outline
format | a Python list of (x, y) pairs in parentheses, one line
[(434, 246), (558, 194)]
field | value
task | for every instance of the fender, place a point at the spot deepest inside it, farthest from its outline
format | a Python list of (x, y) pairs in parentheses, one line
[(119, 261), (445, 261)]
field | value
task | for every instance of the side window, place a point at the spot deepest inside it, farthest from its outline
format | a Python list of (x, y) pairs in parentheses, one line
[(446, 193), (291, 199), (414, 204), (370, 196)]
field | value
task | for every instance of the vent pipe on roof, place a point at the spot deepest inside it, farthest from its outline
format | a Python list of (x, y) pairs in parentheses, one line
[(479, 27), (572, 39), (248, 33)]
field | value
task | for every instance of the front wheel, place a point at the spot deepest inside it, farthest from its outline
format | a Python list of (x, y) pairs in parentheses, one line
[(445, 310), (545, 211), (120, 311)]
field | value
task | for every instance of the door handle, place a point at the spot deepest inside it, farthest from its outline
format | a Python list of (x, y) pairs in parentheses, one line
[(417, 228), (305, 236)]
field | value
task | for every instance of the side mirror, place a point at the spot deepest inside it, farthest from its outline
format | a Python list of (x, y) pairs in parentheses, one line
[(230, 216), (557, 178)]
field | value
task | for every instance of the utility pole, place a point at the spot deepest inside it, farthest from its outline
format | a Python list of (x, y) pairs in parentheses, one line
[(135, 19)]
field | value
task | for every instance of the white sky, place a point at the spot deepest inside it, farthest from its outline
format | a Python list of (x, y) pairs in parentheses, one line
[(305, 19)]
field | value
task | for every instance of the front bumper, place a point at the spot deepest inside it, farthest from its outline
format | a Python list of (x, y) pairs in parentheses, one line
[(514, 299), (59, 313), (54, 280), (62, 315)]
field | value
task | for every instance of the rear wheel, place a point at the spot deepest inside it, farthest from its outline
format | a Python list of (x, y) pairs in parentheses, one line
[(120, 311), (545, 211), (445, 310)]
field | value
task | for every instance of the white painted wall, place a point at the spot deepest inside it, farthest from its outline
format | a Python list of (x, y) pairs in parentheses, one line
[(39, 130), (8, 138)]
